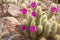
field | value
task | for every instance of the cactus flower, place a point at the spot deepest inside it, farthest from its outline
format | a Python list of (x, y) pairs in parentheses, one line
[(23, 27), (33, 13), (23, 10), (53, 9), (33, 4), (32, 28)]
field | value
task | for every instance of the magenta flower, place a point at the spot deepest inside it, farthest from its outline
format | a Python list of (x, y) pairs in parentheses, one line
[(23, 10), (53, 9), (32, 28), (23, 27), (33, 13), (33, 4)]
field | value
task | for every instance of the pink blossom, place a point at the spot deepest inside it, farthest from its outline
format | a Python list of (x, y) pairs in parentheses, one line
[(23, 27), (32, 28), (33, 13), (23, 10), (33, 4), (53, 9)]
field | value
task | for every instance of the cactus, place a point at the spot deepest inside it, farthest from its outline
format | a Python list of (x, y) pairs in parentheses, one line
[(36, 25), (57, 37), (58, 28), (54, 28), (40, 28), (58, 19), (43, 38)]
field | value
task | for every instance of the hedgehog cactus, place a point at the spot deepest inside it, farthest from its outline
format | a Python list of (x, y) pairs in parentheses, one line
[(37, 25)]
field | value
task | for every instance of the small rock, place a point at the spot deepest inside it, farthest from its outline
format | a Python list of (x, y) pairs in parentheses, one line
[(13, 10), (9, 21), (8, 24)]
